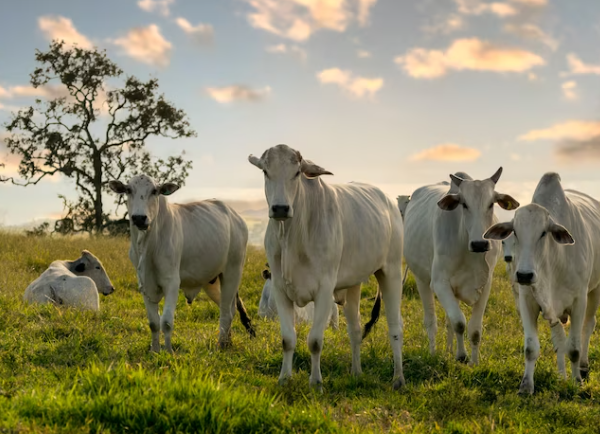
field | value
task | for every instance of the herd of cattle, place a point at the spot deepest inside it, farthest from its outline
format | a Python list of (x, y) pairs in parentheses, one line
[(323, 241)]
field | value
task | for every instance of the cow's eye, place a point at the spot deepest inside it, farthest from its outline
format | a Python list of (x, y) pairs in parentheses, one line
[(491, 205), (154, 192), (266, 174), (515, 234), (297, 174), (465, 206), (128, 190), (97, 268), (543, 234)]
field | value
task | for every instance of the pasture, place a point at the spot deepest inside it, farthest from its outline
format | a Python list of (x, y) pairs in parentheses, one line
[(62, 370)]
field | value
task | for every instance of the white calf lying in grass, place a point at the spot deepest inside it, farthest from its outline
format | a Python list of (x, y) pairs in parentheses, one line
[(267, 308), (71, 283)]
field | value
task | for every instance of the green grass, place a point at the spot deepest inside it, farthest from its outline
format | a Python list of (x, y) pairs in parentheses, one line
[(62, 370)]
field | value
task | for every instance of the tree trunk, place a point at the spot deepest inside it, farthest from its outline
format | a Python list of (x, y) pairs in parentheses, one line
[(97, 157)]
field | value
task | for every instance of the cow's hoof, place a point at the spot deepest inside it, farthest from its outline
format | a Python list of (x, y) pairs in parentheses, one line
[(317, 386), (223, 345), (585, 372), (526, 387), (399, 383), (283, 381), (462, 358)]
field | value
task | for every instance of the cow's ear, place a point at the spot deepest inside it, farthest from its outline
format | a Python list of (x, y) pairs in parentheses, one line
[(311, 170), (118, 187), (449, 202), (258, 162), (80, 268), (499, 231), (506, 202), (560, 234), (168, 188)]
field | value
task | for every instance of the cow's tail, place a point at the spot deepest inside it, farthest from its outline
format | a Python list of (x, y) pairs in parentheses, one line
[(244, 315), (374, 315)]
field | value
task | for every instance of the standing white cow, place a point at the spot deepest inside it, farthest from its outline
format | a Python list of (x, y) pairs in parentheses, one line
[(267, 307), (446, 253), (323, 241), (192, 246), (557, 275), (508, 249), (71, 283)]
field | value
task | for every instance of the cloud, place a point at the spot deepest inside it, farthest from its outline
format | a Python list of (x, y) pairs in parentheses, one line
[(579, 150), (295, 50), (364, 7), (447, 152), (477, 7), (363, 54), (570, 130), (532, 32), (299, 19), (569, 89), (62, 29), (535, 3), (146, 45), (447, 25), (532, 77), (515, 157), (467, 54), (227, 94), (201, 33), (355, 85), (160, 6), (578, 67)]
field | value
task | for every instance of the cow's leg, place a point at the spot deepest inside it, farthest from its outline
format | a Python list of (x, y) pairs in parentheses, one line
[(457, 319), (352, 313), (578, 312), (449, 336), (285, 309), (230, 283), (334, 320), (323, 302), (429, 316), (153, 322), (593, 301), (171, 290), (530, 311), (390, 285), (476, 322)]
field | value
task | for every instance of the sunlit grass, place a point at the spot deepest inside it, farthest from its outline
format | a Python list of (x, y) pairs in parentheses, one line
[(62, 370)]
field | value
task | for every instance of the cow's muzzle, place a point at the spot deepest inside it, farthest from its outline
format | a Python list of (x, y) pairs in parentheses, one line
[(480, 246), (526, 277), (140, 221), (508, 259), (280, 212)]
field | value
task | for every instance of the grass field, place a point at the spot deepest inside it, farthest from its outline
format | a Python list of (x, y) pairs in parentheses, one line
[(63, 370)]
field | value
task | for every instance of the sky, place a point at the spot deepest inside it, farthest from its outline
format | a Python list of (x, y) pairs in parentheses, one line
[(395, 93)]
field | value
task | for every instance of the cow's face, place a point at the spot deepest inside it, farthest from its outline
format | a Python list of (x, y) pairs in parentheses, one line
[(142, 198), (90, 266), (508, 248), (477, 199), (530, 228), (283, 168)]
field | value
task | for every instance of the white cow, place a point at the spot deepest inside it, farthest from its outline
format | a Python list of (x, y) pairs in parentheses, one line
[(508, 249), (267, 307), (323, 241), (192, 246), (402, 204), (446, 253), (71, 283), (558, 275)]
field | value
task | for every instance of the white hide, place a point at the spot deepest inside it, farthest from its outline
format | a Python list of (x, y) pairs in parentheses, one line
[(557, 246), (192, 246), (71, 283), (323, 241), (445, 250)]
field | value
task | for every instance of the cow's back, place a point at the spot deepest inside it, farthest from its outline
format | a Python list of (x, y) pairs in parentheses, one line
[(419, 218)]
